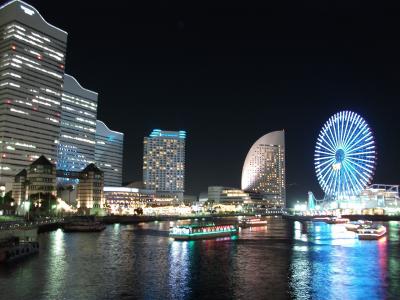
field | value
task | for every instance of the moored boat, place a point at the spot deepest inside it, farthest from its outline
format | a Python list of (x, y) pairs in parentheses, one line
[(202, 231), (252, 222), (373, 232), (320, 219), (18, 243), (337, 220), (354, 226), (83, 224)]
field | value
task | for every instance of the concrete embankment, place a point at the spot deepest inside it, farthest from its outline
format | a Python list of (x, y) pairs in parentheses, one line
[(139, 219), (377, 218), (23, 233)]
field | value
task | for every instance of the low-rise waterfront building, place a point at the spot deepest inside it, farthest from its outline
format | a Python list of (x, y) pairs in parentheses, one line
[(203, 198), (20, 188), (90, 196), (36, 181), (380, 195), (126, 200), (227, 195), (41, 175), (189, 199)]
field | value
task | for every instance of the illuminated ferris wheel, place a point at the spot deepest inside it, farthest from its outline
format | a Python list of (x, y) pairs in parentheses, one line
[(345, 155)]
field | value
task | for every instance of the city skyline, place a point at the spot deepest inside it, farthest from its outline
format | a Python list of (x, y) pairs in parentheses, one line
[(290, 85), (194, 150), (44, 110)]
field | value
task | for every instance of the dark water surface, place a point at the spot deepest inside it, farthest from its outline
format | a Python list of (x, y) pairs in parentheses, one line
[(279, 261)]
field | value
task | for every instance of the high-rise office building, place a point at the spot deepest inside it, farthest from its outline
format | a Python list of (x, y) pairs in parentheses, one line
[(264, 169), (164, 162), (32, 58), (109, 153), (78, 126)]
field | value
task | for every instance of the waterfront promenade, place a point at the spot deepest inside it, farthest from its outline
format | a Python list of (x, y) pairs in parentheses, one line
[(53, 223)]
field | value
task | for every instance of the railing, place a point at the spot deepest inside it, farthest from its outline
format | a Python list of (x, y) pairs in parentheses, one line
[(29, 224)]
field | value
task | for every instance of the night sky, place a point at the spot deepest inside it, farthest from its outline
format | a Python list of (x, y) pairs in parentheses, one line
[(228, 74)]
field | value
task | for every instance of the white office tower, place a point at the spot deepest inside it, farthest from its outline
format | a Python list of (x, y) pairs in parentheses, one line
[(78, 127), (32, 58), (164, 163), (109, 154)]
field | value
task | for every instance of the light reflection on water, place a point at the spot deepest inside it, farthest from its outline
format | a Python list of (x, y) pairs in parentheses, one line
[(279, 261), (343, 267)]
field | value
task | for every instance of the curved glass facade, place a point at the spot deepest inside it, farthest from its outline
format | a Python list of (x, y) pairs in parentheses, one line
[(264, 168)]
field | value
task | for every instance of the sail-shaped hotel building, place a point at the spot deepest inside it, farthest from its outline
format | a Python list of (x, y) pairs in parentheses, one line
[(263, 175)]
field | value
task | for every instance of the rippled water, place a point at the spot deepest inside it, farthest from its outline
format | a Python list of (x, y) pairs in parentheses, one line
[(281, 261)]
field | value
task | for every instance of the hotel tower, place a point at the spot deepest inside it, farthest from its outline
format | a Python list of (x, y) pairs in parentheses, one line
[(164, 163), (263, 174)]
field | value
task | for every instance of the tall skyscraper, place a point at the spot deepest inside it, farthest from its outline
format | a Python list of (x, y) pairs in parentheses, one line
[(78, 126), (109, 154), (164, 162), (264, 169), (32, 58)]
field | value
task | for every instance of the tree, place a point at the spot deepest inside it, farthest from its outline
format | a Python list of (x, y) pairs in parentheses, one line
[(7, 203), (70, 188), (139, 211), (43, 202), (8, 198), (60, 189)]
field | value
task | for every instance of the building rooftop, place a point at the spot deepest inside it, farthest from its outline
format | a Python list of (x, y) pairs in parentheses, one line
[(22, 173), (91, 168), (42, 161), (165, 133)]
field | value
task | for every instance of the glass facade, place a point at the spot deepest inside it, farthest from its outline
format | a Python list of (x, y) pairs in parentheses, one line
[(124, 200), (164, 161), (264, 169), (228, 195), (78, 126), (109, 153), (32, 58)]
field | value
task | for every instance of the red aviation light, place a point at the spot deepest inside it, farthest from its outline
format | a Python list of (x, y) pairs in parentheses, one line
[(62, 66), (39, 56), (13, 47), (3, 156)]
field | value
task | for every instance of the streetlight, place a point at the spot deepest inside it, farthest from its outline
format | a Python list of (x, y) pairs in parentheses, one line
[(3, 190)]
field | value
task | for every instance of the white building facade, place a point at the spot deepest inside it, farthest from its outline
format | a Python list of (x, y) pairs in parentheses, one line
[(109, 153), (164, 163), (264, 169), (77, 141), (227, 195), (32, 59)]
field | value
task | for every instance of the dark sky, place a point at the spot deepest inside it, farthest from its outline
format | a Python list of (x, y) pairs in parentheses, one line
[(230, 73)]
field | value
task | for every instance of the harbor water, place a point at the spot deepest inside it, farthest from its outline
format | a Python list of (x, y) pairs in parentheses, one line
[(284, 260)]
